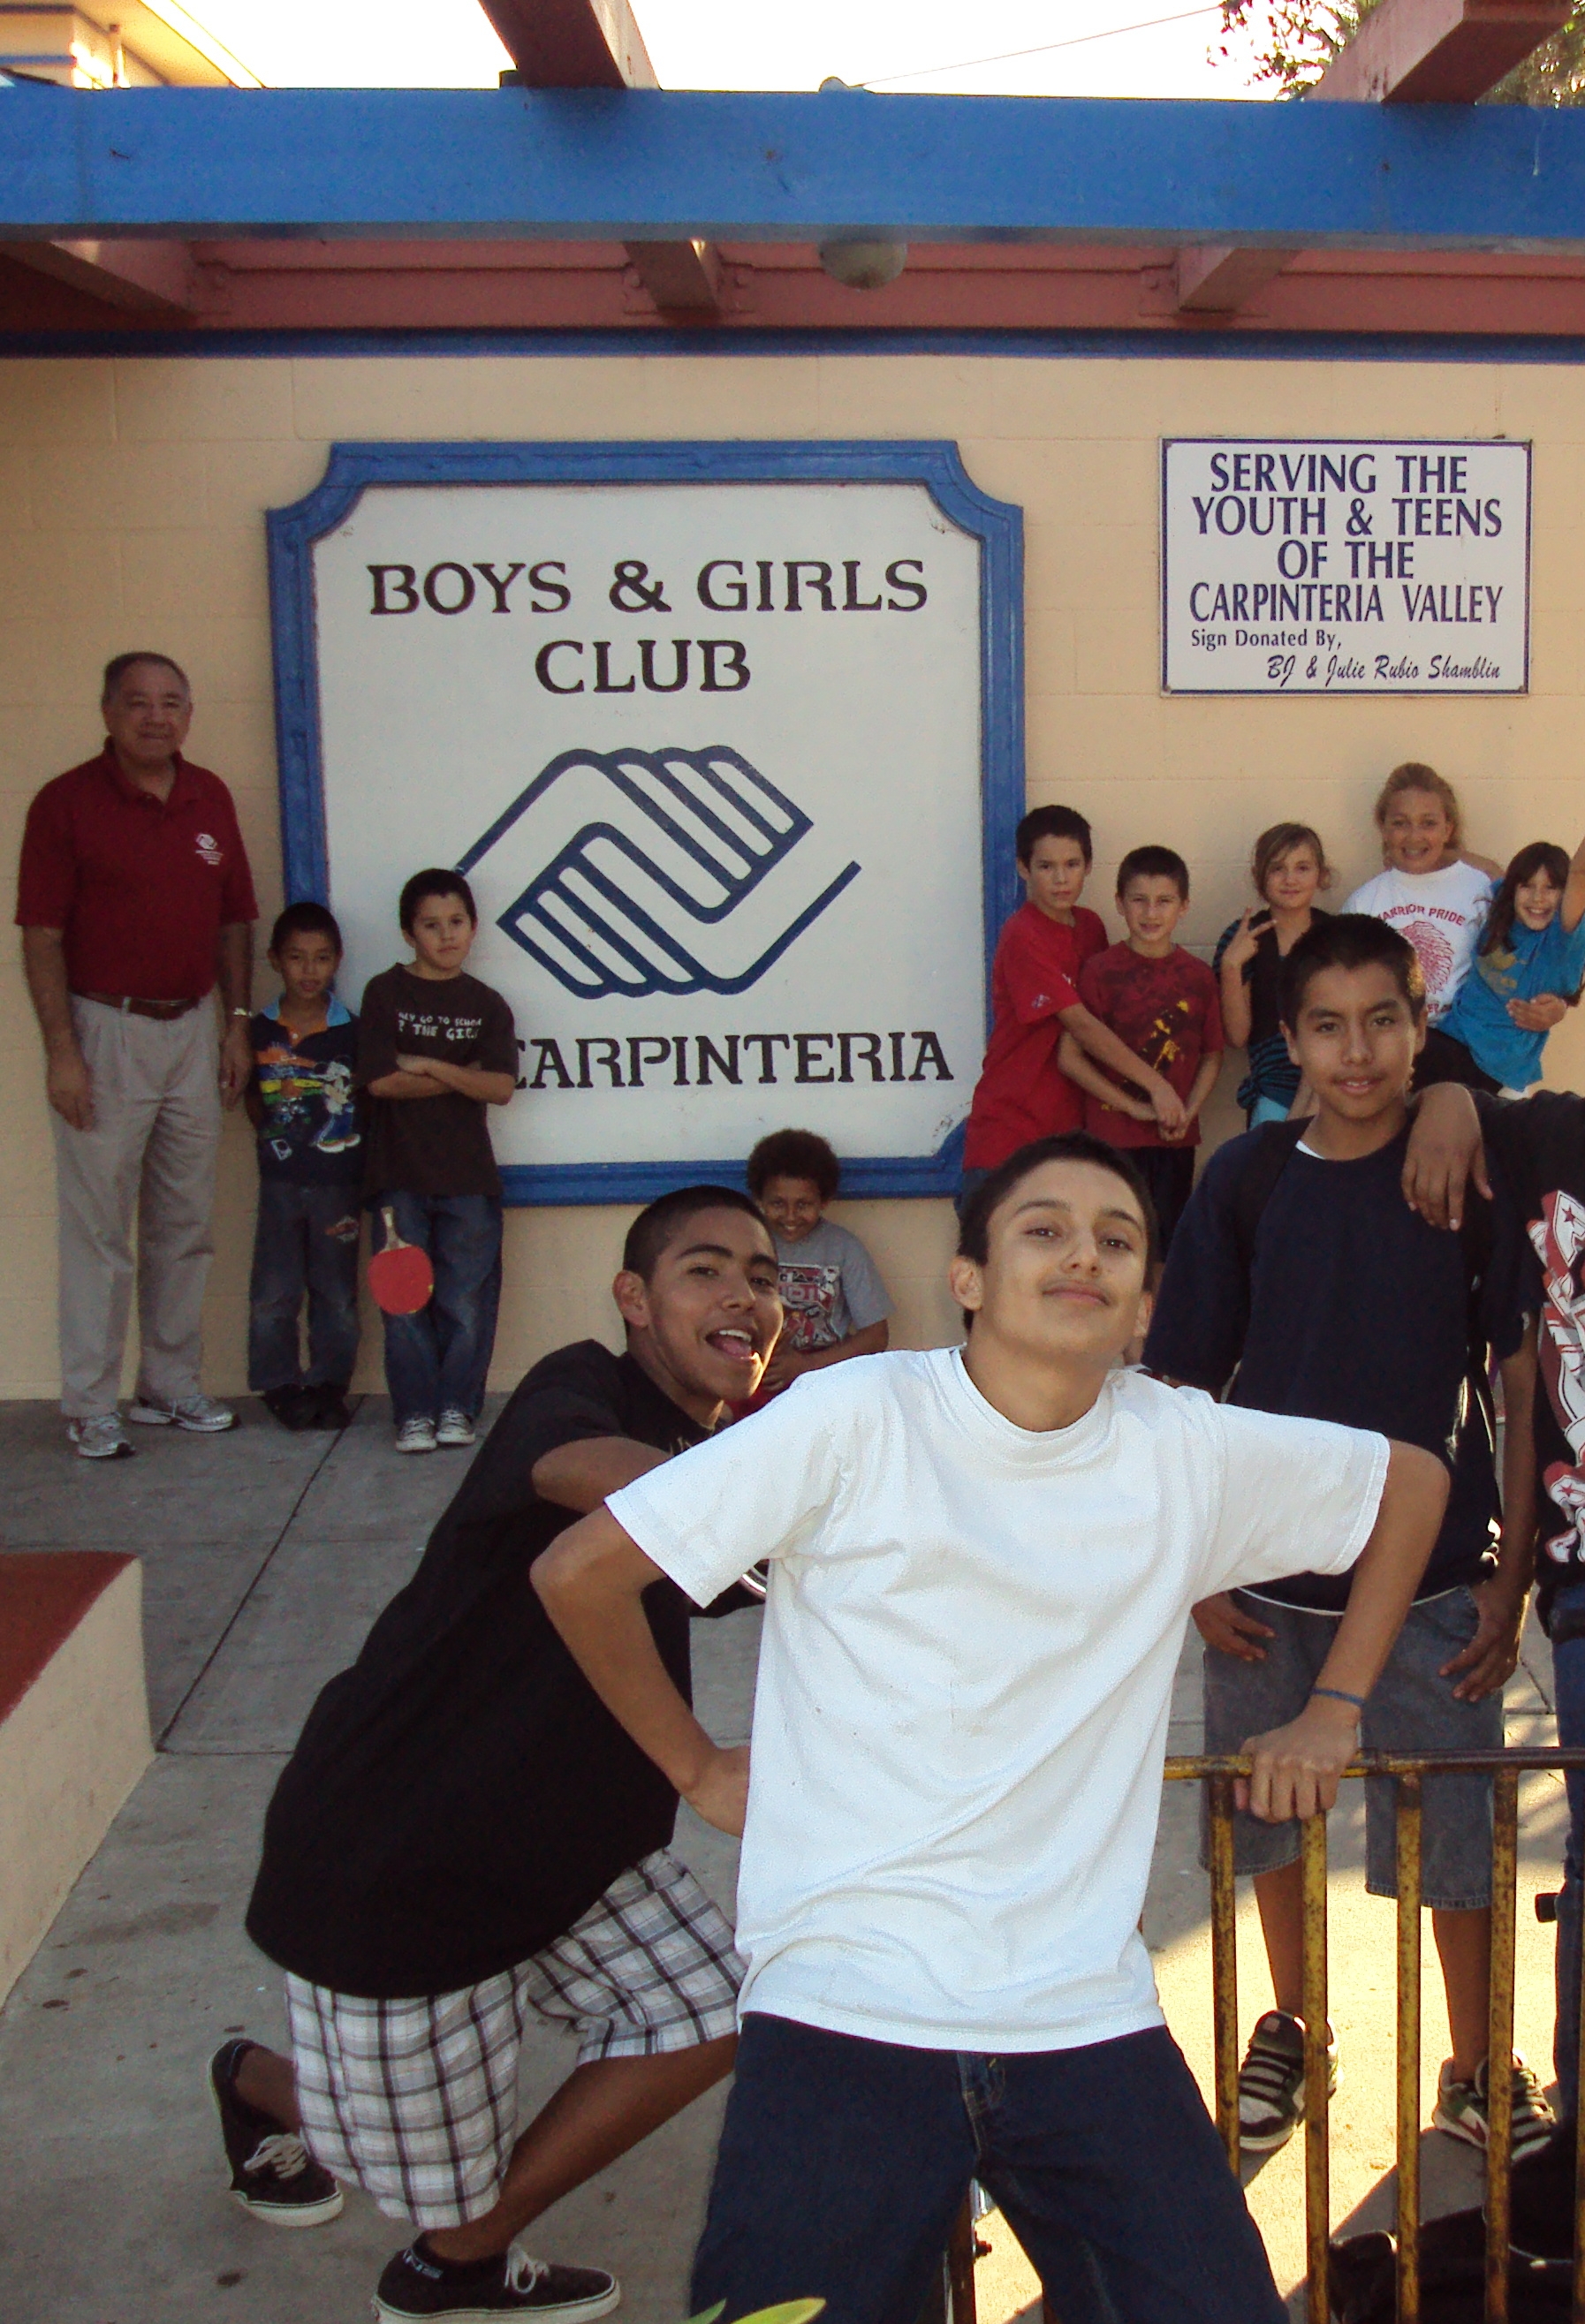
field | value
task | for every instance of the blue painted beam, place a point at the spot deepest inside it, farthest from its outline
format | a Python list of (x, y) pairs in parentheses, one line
[(635, 164)]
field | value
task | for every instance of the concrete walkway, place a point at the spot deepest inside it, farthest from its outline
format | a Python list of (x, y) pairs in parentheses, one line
[(266, 1557)]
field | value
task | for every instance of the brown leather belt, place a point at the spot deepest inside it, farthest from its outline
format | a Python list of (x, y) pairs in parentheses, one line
[(129, 1006)]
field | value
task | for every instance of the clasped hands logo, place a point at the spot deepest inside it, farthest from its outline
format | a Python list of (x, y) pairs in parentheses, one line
[(656, 871)]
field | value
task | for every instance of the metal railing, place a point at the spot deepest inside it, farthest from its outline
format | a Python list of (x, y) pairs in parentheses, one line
[(1506, 1768)]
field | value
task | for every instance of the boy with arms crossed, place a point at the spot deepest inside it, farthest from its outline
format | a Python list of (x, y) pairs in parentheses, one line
[(1035, 1000), (465, 1838), (981, 1566), (1299, 1268)]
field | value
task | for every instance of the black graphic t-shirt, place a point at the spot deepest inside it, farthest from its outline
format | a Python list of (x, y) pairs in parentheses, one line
[(1539, 1144), (432, 1145), (461, 1795), (309, 1130)]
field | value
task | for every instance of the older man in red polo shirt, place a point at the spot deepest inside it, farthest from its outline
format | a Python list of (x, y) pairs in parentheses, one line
[(134, 900)]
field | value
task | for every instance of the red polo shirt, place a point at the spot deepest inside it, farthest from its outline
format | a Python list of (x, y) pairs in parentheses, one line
[(140, 886)]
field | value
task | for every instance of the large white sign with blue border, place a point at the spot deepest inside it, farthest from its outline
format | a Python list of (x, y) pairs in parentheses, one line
[(726, 738), (1321, 565)]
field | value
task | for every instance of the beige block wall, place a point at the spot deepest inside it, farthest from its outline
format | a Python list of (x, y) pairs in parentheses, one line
[(132, 495)]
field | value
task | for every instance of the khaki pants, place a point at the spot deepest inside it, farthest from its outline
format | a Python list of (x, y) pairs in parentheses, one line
[(153, 1149)]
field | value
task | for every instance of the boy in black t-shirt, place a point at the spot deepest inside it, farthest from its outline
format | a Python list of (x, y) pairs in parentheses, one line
[(301, 1102), (463, 1822), (1332, 1300), (436, 1048)]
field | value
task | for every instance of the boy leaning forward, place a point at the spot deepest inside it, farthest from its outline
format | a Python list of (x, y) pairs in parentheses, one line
[(981, 1564)]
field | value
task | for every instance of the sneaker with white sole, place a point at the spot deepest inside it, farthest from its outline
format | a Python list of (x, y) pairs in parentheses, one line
[(274, 2177), (1463, 2109), (416, 1436), (200, 1415), (454, 1427), (99, 1437), (1271, 2082), (414, 2288)]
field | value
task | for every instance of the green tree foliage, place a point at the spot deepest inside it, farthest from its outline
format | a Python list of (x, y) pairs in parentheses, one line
[(1288, 44)]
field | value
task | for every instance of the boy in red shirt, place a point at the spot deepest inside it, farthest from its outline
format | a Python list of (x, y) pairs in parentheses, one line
[(1035, 998), (1163, 1003)]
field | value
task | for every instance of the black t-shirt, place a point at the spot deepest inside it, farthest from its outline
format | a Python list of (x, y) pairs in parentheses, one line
[(1539, 1144), (310, 1132), (432, 1145), (460, 1796), (1359, 1313), (1272, 1072)]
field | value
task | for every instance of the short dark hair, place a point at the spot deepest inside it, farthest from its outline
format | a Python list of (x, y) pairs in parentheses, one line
[(1154, 863), (794, 1154), (435, 882), (1540, 855), (306, 919), (656, 1228), (1052, 823), (1070, 1146), (116, 669), (1350, 940)]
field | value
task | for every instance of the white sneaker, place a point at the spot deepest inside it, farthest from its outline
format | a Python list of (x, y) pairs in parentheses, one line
[(454, 1428), (416, 1436), (99, 1437), (200, 1415)]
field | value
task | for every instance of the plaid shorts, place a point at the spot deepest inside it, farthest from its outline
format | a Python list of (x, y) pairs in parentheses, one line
[(416, 2101)]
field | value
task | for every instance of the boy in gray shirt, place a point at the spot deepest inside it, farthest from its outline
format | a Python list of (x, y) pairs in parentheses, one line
[(833, 1296)]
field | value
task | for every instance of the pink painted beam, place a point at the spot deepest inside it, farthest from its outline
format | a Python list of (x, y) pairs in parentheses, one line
[(1406, 52), (573, 43), (596, 45), (148, 278), (1438, 51)]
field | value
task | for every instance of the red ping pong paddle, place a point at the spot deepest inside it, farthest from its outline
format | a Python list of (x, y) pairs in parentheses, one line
[(401, 1277)]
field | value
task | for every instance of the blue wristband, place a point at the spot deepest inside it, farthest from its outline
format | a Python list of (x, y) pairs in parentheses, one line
[(1336, 1694)]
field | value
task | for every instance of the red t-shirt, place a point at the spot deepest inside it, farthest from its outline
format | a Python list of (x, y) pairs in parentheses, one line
[(1021, 1094), (1168, 1012), (142, 887)]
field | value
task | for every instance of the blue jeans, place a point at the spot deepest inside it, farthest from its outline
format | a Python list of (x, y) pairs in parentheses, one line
[(843, 2163), (1568, 1663), (306, 1241), (438, 1361)]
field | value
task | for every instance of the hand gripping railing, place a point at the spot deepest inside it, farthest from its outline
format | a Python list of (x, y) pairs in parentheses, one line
[(1505, 1767)]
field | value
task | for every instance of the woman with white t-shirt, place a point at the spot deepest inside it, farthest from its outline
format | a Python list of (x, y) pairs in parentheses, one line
[(1431, 892), (981, 1565)]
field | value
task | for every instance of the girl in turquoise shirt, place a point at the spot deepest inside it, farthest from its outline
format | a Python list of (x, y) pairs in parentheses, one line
[(1528, 966)]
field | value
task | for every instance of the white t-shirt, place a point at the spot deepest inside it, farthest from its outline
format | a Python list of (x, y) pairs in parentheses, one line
[(970, 1636), (1441, 913)]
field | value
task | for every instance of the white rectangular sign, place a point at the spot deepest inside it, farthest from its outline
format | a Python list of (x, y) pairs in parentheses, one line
[(1319, 566), (709, 753)]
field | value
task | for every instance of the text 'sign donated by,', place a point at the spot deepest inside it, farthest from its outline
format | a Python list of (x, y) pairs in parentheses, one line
[(1334, 567)]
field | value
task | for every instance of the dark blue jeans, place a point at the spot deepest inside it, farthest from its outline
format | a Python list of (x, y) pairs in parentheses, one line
[(306, 1241), (438, 1361), (1568, 1663), (843, 2162)]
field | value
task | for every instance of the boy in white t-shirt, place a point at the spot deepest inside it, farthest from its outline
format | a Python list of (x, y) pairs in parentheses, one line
[(981, 1566)]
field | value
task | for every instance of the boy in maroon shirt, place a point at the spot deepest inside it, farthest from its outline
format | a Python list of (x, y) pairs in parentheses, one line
[(1163, 1003), (1034, 997)]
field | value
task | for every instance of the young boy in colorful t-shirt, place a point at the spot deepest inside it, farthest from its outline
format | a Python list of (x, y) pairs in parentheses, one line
[(1034, 1001), (301, 1101), (1163, 1004)]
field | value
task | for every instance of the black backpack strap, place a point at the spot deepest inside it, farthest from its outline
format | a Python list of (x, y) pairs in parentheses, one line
[(1270, 1149)]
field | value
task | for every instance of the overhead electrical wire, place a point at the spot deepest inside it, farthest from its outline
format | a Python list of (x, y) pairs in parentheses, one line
[(1007, 55)]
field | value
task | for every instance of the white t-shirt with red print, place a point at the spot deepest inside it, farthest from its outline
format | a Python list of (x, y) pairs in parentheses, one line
[(1441, 913)]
